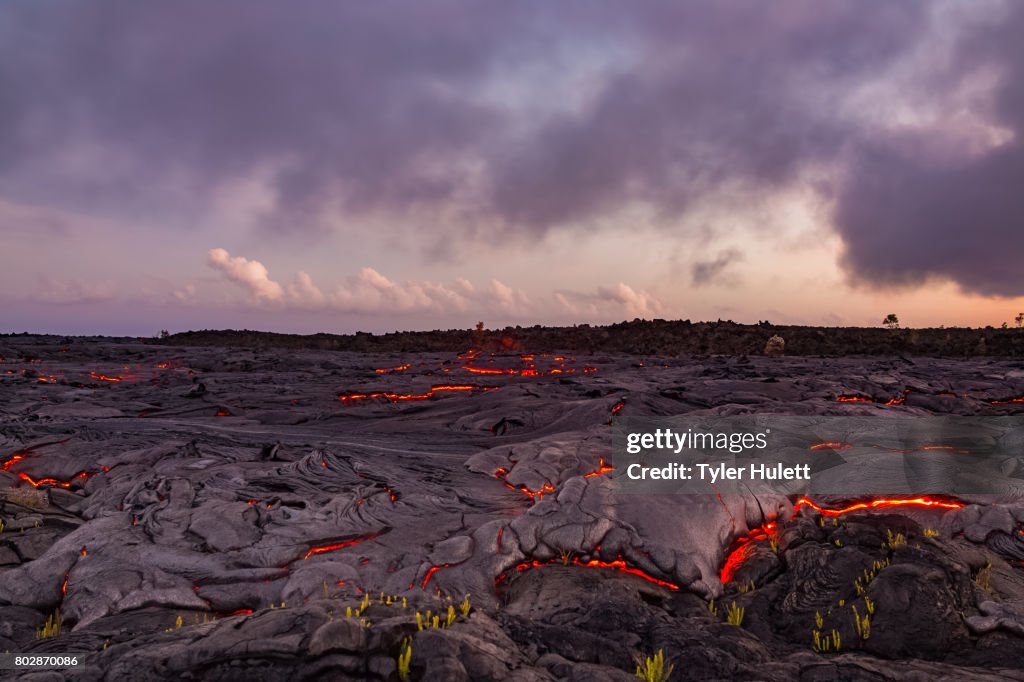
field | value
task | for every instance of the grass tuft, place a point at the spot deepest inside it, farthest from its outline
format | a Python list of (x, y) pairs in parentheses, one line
[(654, 669)]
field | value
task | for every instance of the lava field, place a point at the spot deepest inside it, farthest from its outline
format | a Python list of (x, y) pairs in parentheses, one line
[(175, 512)]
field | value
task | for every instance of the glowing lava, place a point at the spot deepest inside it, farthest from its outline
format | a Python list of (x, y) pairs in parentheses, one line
[(404, 397), (830, 446), (618, 565), (489, 370), (390, 370), (103, 377), (855, 398), (603, 468), (741, 549), (743, 546), (1008, 401), (502, 472), (320, 549), (879, 503), (56, 482), (430, 574)]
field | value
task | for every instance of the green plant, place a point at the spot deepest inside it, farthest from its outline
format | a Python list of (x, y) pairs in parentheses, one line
[(891, 321), (653, 668), (892, 541), (712, 609), (863, 624), (51, 628), (404, 660), (930, 533), (826, 643), (734, 614), (464, 606), (1, 525), (981, 578)]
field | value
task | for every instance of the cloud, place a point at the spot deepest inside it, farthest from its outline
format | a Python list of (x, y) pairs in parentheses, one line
[(499, 120), (250, 274), (367, 292), (708, 271), (73, 291), (610, 303)]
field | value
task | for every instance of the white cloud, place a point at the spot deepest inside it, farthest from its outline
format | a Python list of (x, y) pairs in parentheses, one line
[(250, 274), (367, 292), (610, 303)]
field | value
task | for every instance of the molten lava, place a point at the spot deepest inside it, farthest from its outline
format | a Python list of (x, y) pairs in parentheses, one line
[(502, 472), (617, 407), (1008, 401), (618, 565), (741, 549), (389, 370), (830, 446), (320, 549), (403, 397), (54, 482), (103, 377), (489, 370), (430, 574), (603, 468), (878, 503), (743, 546), (855, 398)]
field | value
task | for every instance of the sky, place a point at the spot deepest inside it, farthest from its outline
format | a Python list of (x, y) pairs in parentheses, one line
[(340, 166)]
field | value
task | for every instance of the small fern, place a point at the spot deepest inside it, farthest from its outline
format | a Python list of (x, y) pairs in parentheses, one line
[(654, 669)]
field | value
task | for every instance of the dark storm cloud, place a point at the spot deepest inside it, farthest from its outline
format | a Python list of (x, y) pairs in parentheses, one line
[(708, 271), (149, 108), (910, 211)]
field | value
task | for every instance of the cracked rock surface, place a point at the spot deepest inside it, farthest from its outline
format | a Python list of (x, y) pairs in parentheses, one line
[(225, 514)]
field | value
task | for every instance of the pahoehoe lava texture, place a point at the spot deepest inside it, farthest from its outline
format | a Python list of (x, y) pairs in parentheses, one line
[(214, 513)]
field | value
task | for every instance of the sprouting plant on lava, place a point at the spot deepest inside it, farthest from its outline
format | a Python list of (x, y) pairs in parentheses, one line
[(178, 622), (838, 542), (863, 624), (734, 614), (826, 643), (712, 609), (464, 607), (450, 616), (51, 628), (818, 620), (981, 578), (566, 556), (405, 659), (930, 533), (1, 525), (773, 543), (653, 668), (894, 540), (747, 587)]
